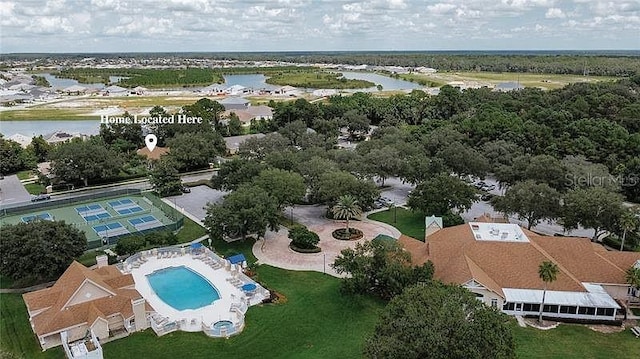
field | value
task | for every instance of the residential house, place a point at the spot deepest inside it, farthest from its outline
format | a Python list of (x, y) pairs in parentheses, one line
[(62, 136), (115, 90), (154, 155), (75, 90), (233, 143), (251, 113), (499, 263), (23, 140), (235, 103), (102, 302), (508, 86)]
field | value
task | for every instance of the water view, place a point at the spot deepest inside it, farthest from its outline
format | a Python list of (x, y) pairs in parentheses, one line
[(57, 82), (387, 83), (37, 128), (254, 81)]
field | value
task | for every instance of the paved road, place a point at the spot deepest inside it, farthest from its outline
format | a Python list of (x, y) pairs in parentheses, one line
[(143, 185), (12, 191), (398, 192)]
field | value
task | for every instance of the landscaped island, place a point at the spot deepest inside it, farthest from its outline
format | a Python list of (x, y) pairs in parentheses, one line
[(317, 79)]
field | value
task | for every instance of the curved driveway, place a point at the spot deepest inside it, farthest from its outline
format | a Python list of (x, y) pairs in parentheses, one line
[(274, 249)]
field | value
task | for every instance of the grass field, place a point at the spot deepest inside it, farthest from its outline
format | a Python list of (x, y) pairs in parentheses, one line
[(407, 222), (190, 231), (83, 108), (16, 336), (313, 321), (34, 188), (23, 175), (316, 79), (575, 341), (546, 81), (316, 321)]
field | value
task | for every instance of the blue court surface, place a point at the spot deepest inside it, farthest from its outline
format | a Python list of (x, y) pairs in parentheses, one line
[(141, 220), (120, 202), (110, 229), (97, 216), (42, 216), (88, 208), (130, 210)]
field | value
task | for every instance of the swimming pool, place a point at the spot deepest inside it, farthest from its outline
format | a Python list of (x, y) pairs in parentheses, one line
[(182, 288)]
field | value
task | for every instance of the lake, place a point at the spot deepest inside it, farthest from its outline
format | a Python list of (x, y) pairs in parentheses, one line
[(388, 83), (36, 128), (57, 82), (257, 81), (254, 81)]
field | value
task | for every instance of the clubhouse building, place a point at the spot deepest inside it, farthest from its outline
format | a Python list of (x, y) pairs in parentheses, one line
[(86, 306), (499, 263)]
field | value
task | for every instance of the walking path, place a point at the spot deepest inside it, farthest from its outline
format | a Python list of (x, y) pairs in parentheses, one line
[(274, 249)]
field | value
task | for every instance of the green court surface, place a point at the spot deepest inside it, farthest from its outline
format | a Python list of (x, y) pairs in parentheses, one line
[(105, 219)]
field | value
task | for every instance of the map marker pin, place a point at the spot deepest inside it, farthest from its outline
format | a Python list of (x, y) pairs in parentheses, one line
[(151, 140)]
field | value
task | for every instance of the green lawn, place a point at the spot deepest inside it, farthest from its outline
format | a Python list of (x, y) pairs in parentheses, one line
[(190, 231), (34, 188), (574, 341), (23, 175), (315, 322), (16, 336), (5, 282), (408, 222), (315, 79)]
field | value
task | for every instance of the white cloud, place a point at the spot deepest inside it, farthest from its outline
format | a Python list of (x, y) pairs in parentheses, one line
[(554, 13), (175, 25)]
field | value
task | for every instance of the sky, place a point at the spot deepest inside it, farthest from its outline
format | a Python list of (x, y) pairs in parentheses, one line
[(316, 25)]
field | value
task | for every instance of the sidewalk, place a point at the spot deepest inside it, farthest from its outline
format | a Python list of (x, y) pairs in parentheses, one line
[(276, 251)]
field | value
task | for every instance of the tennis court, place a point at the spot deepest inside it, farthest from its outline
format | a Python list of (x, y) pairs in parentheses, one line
[(89, 208), (144, 223), (110, 230), (43, 216), (124, 211), (105, 220), (97, 216)]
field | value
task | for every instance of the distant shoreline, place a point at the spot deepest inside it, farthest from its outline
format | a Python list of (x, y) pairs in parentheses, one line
[(617, 52)]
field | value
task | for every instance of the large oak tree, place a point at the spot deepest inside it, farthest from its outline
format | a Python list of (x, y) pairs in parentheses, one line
[(39, 251)]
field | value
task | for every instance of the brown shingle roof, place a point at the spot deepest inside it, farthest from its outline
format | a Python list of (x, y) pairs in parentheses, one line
[(153, 155), (57, 314), (418, 249), (458, 258)]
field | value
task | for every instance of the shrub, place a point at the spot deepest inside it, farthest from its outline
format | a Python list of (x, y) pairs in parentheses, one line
[(303, 238), (129, 245)]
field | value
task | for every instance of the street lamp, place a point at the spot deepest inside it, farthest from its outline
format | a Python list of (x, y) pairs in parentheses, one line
[(395, 211)]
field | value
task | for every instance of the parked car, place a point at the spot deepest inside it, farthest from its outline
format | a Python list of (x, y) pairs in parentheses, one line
[(40, 197), (185, 189), (486, 197)]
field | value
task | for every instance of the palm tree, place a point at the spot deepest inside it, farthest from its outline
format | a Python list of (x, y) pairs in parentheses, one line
[(632, 276), (548, 272), (628, 222), (347, 208)]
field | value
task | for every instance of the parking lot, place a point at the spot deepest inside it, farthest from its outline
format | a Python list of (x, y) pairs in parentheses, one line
[(12, 191), (196, 201)]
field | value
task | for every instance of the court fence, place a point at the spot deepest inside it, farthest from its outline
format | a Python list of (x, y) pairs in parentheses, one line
[(26, 207), (177, 219)]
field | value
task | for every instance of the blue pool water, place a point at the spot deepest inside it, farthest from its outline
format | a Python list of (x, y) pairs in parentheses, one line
[(182, 288)]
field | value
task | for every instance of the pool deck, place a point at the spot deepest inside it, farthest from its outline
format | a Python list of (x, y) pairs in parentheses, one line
[(192, 320)]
